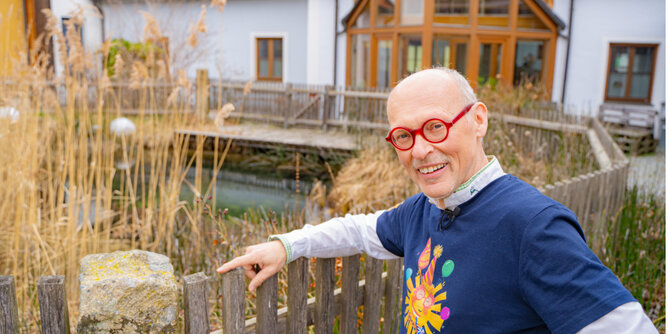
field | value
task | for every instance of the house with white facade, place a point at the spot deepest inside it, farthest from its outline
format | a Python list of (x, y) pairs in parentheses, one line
[(584, 52)]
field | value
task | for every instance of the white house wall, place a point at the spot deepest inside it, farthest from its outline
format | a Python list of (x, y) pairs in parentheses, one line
[(245, 20), (92, 27), (320, 42), (596, 25), (227, 50), (175, 18), (345, 6)]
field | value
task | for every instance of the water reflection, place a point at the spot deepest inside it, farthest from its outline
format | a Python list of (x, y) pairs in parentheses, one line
[(239, 191)]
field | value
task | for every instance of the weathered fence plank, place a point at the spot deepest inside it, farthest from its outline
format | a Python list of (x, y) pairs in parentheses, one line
[(234, 301), (297, 296), (288, 104), (372, 295), (349, 283), (324, 295), (393, 292), (53, 305), (9, 316), (267, 296), (196, 303)]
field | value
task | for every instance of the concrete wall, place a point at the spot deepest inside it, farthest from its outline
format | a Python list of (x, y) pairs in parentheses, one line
[(91, 31), (595, 26)]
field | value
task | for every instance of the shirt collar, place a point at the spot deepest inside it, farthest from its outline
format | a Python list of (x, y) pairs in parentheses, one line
[(490, 172)]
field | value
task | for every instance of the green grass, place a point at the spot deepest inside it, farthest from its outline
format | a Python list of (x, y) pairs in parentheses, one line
[(635, 251)]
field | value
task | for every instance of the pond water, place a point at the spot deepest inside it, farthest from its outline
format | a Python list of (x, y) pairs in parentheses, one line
[(239, 191)]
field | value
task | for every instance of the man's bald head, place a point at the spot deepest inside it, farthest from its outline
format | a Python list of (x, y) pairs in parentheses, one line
[(438, 82)]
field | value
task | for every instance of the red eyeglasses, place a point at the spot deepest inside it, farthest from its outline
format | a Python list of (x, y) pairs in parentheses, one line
[(434, 130)]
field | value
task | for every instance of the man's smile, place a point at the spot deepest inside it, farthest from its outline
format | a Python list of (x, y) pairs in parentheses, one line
[(431, 169)]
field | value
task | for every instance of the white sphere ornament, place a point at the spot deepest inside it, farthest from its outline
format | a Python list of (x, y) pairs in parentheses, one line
[(122, 126), (9, 113)]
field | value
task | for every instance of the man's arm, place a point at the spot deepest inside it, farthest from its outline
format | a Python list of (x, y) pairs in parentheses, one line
[(625, 319), (343, 236)]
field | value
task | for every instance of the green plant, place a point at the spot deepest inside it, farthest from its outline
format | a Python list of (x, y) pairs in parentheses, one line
[(130, 52), (635, 250)]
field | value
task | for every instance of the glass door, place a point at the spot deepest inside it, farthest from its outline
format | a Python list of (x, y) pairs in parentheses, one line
[(384, 62), (490, 61)]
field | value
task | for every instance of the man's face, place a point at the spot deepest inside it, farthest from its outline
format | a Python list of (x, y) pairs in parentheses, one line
[(438, 168)]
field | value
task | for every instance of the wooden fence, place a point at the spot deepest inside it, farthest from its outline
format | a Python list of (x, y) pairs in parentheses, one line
[(379, 293), (279, 103), (594, 195)]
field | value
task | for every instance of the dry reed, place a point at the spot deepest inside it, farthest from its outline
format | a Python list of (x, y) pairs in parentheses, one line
[(72, 187)]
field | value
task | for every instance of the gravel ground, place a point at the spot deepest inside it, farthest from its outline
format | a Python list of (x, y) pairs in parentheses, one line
[(648, 172)]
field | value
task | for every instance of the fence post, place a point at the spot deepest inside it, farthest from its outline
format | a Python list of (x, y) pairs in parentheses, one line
[(325, 106), (288, 104), (267, 294), (349, 283), (196, 303), (297, 298), (372, 294), (324, 295), (53, 305), (234, 301), (393, 292), (9, 317)]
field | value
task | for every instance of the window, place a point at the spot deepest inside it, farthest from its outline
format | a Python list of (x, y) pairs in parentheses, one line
[(385, 16), (384, 63), (410, 54), (493, 13), (364, 18), (630, 72), (270, 59), (412, 12), (451, 12), (528, 61), (526, 19), (390, 39), (489, 69), (359, 69), (450, 52)]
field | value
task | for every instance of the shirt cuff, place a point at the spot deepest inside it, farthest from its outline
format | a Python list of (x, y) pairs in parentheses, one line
[(286, 245)]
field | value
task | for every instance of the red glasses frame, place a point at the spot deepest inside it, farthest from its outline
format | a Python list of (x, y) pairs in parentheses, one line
[(419, 131)]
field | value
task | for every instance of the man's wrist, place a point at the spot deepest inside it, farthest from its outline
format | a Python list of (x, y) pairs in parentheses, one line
[(286, 246)]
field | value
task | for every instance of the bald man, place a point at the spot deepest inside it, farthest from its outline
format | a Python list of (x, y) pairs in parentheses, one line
[(483, 251)]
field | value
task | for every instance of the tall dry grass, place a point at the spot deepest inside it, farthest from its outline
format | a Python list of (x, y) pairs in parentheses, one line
[(72, 187)]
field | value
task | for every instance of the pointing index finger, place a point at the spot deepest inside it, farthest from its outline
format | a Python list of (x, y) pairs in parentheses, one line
[(240, 261)]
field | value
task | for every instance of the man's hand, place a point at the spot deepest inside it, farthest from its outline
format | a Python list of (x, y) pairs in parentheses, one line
[(269, 257)]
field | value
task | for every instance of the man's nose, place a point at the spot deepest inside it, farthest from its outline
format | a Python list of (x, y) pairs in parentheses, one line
[(421, 147)]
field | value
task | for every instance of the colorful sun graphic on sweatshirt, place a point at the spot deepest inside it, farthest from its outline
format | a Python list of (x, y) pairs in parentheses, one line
[(424, 309)]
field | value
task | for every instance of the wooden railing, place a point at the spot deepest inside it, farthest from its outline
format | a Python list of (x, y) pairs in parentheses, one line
[(593, 196), (378, 292)]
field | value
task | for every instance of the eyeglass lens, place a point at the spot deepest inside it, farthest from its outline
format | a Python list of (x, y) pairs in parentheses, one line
[(433, 130)]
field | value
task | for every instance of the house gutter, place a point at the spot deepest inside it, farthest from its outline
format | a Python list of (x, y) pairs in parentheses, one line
[(568, 53), (336, 36)]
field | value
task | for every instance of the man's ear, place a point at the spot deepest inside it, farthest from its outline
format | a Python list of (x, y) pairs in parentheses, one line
[(480, 119)]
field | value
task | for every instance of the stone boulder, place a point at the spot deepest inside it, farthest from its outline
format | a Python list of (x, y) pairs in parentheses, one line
[(127, 292)]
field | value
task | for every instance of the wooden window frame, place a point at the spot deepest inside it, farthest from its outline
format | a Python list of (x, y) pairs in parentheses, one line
[(270, 58), (629, 75), (473, 31)]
